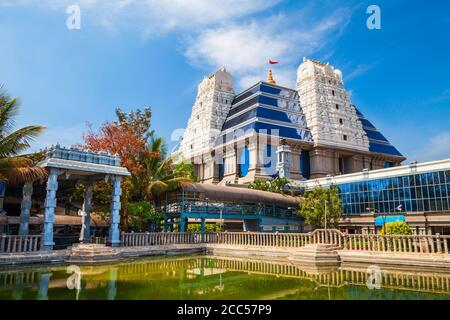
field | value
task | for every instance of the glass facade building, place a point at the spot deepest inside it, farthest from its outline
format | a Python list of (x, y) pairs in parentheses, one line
[(420, 192)]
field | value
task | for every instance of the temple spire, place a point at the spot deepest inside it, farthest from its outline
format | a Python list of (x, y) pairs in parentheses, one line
[(270, 78)]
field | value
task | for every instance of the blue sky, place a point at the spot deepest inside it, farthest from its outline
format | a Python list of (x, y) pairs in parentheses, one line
[(132, 54)]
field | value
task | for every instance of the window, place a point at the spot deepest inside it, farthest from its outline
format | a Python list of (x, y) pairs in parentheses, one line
[(388, 164), (337, 106), (332, 92), (341, 121), (192, 146), (198, 116), (345, 137)]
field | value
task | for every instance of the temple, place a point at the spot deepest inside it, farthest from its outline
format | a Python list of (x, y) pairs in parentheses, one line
[(269, 130), (313, 135)]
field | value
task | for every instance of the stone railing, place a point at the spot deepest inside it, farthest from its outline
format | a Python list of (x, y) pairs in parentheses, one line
[(359, 242), (77, 154), (13, 244), (397, 243), (158, 238), (284, 240)]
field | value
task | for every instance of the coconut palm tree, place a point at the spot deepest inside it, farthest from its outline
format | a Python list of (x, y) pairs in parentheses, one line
[(160, 174), (15, 167)]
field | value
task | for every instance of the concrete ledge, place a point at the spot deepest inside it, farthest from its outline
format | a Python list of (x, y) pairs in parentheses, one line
[(347, 257), (39, 257), (114, 254), (271, 253)]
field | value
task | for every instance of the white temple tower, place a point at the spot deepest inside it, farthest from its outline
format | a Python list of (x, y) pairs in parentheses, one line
[(330, 115), (212, 104)]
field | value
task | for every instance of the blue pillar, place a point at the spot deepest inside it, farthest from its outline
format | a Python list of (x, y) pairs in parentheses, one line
[(50, 204), (85, 235), (114, 219), (25, 207), (182, 223)]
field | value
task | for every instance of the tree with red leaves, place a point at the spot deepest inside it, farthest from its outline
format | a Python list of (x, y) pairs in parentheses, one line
[(127, 137)]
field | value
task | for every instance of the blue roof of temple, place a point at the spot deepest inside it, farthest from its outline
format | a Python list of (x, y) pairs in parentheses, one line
[(377, 142), (266, 107)]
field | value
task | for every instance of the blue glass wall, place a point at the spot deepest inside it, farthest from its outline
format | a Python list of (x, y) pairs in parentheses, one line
[(424, 192)]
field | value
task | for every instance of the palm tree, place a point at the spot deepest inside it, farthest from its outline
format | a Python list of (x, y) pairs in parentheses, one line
[(16, 168), (160, 174)]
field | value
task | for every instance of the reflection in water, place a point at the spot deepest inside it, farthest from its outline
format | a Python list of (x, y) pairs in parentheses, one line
[(206, 277), (44, 280)]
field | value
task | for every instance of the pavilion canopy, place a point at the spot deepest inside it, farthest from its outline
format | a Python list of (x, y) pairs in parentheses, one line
[(240, 194)]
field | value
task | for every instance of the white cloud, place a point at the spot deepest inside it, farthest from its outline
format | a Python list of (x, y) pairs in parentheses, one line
[(438, 147), (245, 48), (220, 32), (359, 70), (154, 16)]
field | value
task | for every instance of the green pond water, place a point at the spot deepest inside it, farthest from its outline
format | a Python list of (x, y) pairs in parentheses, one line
[(204, 277)]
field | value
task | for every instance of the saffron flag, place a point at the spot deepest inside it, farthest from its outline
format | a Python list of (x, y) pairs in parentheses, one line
[(272, 62)]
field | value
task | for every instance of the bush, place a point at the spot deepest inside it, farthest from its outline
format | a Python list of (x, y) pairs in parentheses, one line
[(397, 228), (209, 227)]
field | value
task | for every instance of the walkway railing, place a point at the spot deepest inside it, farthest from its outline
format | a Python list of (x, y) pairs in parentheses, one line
[(398, 243), (360, 242), (12, 244), (158, 238)]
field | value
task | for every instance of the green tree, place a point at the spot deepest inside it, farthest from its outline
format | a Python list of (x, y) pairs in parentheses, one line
[(315, 203), (277, 185), (397, 228), (160, 174), (15, 167), (143, 212)]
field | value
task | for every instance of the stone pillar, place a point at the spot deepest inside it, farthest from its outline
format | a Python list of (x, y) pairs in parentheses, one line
[(296, 173), (114, 219), (50, 204), (85, 235), (230, 166), (25, 207), (284, 161)]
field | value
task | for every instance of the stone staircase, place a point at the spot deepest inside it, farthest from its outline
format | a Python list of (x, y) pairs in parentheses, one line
[(92, 253)]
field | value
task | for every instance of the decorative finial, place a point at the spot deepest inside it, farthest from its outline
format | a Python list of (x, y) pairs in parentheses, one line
[(270, 78)]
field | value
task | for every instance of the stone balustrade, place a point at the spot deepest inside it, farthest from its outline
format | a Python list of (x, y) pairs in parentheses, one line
[(77, 154), (158, 238), (397, 243), (13, 243), (361, 242)]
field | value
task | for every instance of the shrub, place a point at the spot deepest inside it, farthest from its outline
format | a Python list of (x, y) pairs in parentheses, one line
[(397, 228)]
